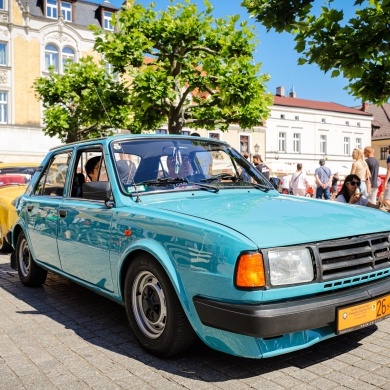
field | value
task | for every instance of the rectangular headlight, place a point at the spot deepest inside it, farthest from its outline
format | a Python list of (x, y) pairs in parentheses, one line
[(290, 266)]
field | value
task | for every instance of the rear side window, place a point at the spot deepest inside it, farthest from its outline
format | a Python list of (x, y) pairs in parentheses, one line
[(52, 181)]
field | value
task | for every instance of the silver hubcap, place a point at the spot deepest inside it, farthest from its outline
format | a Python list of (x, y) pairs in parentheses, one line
[(24, 257), (149, 306)]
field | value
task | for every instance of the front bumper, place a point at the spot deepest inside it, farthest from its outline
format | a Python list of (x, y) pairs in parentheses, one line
[(276, 319)]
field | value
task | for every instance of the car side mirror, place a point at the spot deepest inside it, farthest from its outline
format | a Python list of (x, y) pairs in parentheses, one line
[(97, 190)]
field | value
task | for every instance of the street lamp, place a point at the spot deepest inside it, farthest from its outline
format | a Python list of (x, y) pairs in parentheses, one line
[(256, 148)]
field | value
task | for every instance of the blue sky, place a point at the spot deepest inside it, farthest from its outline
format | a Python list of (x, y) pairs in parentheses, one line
[(278, 57)]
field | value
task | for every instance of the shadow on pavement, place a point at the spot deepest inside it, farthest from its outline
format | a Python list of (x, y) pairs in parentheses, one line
[(103, 323)]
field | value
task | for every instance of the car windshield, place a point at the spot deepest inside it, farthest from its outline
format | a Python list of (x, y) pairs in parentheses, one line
[(173, 164)]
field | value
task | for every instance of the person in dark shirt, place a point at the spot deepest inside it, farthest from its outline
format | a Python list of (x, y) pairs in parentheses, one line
[(260, 166)]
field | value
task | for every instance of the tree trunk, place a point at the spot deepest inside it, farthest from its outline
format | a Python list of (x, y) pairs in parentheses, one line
[(175, 122), (72, 136)]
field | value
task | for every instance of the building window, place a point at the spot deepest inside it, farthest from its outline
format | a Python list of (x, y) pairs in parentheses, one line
[(347, 123), (296, 117), (161, 131), (384, 153), (358, 124), (347, 146), (282, 116), (107, 16), (51, 9), (282, 142), (3, 107), (3, 54), (323, 144), (296, 143), (66, 11), (67, 56), (358, 143), (2, 4), (244, 143), (51, 57)]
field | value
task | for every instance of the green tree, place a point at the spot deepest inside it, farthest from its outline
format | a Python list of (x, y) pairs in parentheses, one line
[(186, 68), (85, 102), (357, 48)]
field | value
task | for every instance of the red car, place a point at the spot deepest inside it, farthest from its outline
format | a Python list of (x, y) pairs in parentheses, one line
[(8, 179), (381, 178)]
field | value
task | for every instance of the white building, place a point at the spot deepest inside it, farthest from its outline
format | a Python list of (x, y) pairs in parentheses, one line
[(305, 131)]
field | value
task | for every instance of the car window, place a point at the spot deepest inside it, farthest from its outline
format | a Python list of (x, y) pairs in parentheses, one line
[(90, 166), (52, 181)]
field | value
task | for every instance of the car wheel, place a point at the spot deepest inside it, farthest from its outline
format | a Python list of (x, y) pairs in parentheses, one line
[(5, 247), (30, 273), (154, 310)]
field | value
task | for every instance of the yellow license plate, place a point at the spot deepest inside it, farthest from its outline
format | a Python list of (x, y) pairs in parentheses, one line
[(364, 314)]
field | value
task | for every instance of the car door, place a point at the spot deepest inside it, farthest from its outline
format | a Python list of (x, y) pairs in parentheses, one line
[(84, 231), (42, 209)]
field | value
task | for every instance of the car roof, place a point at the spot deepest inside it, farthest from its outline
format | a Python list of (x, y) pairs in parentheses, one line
[(137, 136), (18, 164)]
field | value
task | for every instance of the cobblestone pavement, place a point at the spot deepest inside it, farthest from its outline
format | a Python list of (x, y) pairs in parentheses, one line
[(62, 336)]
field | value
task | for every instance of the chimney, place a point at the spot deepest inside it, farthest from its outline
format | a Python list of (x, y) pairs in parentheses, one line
[(280, 91), (292, 94), (365, 106)]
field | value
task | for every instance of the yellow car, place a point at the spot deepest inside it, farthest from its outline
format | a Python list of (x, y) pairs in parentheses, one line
[(14, 178)]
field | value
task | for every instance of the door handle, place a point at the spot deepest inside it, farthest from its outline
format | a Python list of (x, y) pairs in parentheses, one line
[(29, 208), (63, 213)]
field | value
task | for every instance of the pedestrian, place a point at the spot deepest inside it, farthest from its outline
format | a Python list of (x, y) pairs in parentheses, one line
[(360, 168), (298, 182), (323, 177), (335, 180), (373, 166), (260, 166), (350, 193), (386, 186)]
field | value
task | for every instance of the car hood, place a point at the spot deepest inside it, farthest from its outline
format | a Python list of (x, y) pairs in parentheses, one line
[(274, 220)]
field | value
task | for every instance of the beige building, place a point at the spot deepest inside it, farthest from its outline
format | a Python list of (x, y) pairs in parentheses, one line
[(33, 36)]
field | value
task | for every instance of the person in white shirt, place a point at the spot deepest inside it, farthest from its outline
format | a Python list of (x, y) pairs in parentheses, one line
[(298, 182)]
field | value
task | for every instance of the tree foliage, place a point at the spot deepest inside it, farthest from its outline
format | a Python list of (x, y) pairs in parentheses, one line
[(199, 71), (85, 102), (357, 48)]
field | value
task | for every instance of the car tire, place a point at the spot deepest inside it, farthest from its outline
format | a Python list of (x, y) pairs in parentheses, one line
[(30, 274), (5, 247), (154, 310)]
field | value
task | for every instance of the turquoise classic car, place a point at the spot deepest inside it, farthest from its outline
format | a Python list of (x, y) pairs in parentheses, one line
[(194, 242)]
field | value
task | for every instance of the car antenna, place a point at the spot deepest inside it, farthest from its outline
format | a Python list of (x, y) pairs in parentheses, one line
[(104, 108)]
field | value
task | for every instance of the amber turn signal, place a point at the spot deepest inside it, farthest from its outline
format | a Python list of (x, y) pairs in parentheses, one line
[(250, 271)]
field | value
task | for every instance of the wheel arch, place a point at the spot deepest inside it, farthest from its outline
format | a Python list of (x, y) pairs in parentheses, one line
[(15, 234), (158, 252)]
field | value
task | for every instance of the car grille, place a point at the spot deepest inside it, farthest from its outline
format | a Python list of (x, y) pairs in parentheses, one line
[(352, 257)]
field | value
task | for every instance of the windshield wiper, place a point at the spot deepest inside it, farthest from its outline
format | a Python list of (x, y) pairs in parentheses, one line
[(220, 176), (166, 181), (261, 187), (163, 181)]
